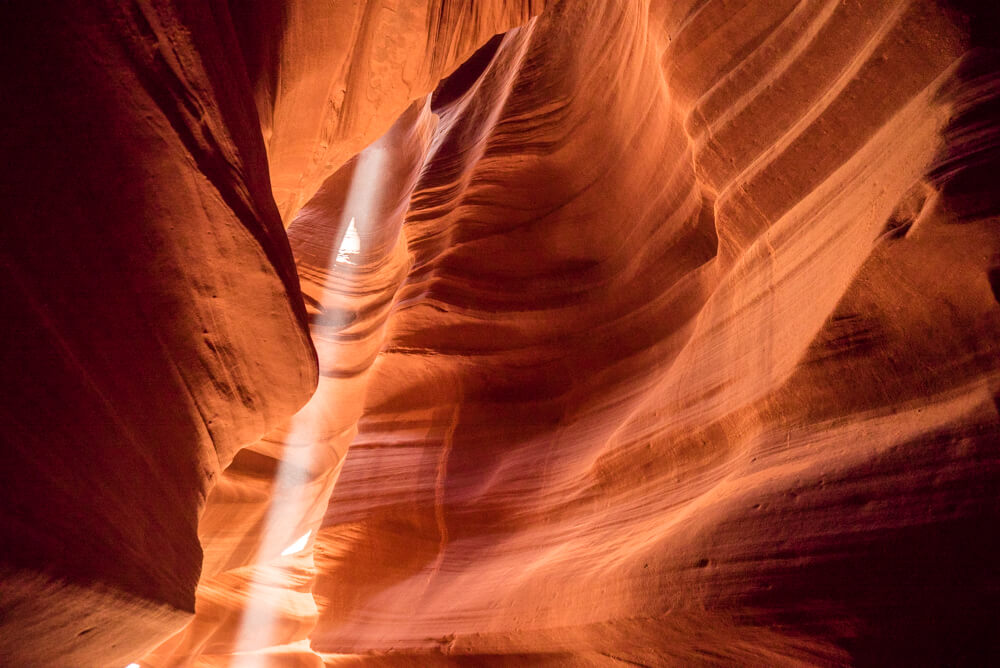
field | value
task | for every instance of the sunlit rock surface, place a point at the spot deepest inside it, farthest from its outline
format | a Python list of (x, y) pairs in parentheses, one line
[(660, 333), (697, 357), (331, 77)]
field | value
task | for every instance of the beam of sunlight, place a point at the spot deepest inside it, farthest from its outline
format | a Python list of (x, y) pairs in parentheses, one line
[(290, 503)]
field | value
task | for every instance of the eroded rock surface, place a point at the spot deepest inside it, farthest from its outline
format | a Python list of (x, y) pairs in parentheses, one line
[(696, 361), (152, 319), (660, 333)]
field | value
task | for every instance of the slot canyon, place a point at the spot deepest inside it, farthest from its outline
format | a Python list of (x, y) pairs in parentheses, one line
[(398, 333)]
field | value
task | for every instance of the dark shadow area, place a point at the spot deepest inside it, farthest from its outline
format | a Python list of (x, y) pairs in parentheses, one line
[(461, 80)]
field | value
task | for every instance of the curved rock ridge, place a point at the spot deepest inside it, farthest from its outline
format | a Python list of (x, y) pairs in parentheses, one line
[(152, 319), (696, 361), (330, 78), (253, 601), (659, 332), (156, 321), (255, 595)]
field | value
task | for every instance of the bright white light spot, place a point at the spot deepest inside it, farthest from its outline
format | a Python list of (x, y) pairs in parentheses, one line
[(351, 245), (297, 546), (133, 665)]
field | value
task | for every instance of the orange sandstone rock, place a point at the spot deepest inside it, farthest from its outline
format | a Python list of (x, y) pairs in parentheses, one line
[(657, 333)]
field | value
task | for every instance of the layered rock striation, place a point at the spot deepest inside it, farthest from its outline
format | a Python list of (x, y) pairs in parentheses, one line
[(696, 361), (656, 333)]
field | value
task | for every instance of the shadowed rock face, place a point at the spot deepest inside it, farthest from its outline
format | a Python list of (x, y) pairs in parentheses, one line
[(152, 320), (657, 333)]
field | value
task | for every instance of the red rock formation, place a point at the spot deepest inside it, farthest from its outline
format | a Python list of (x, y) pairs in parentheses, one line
[(661, 333), (329, 80), (153, 323), (693, 363)]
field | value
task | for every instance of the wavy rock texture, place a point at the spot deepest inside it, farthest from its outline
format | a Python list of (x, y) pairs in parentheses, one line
[(696, 361), (158, 324), (661, 333), (330, 78), (152, 319), (252, 599)]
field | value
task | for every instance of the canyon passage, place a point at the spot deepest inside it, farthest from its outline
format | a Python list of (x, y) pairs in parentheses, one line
[(500, 333)]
